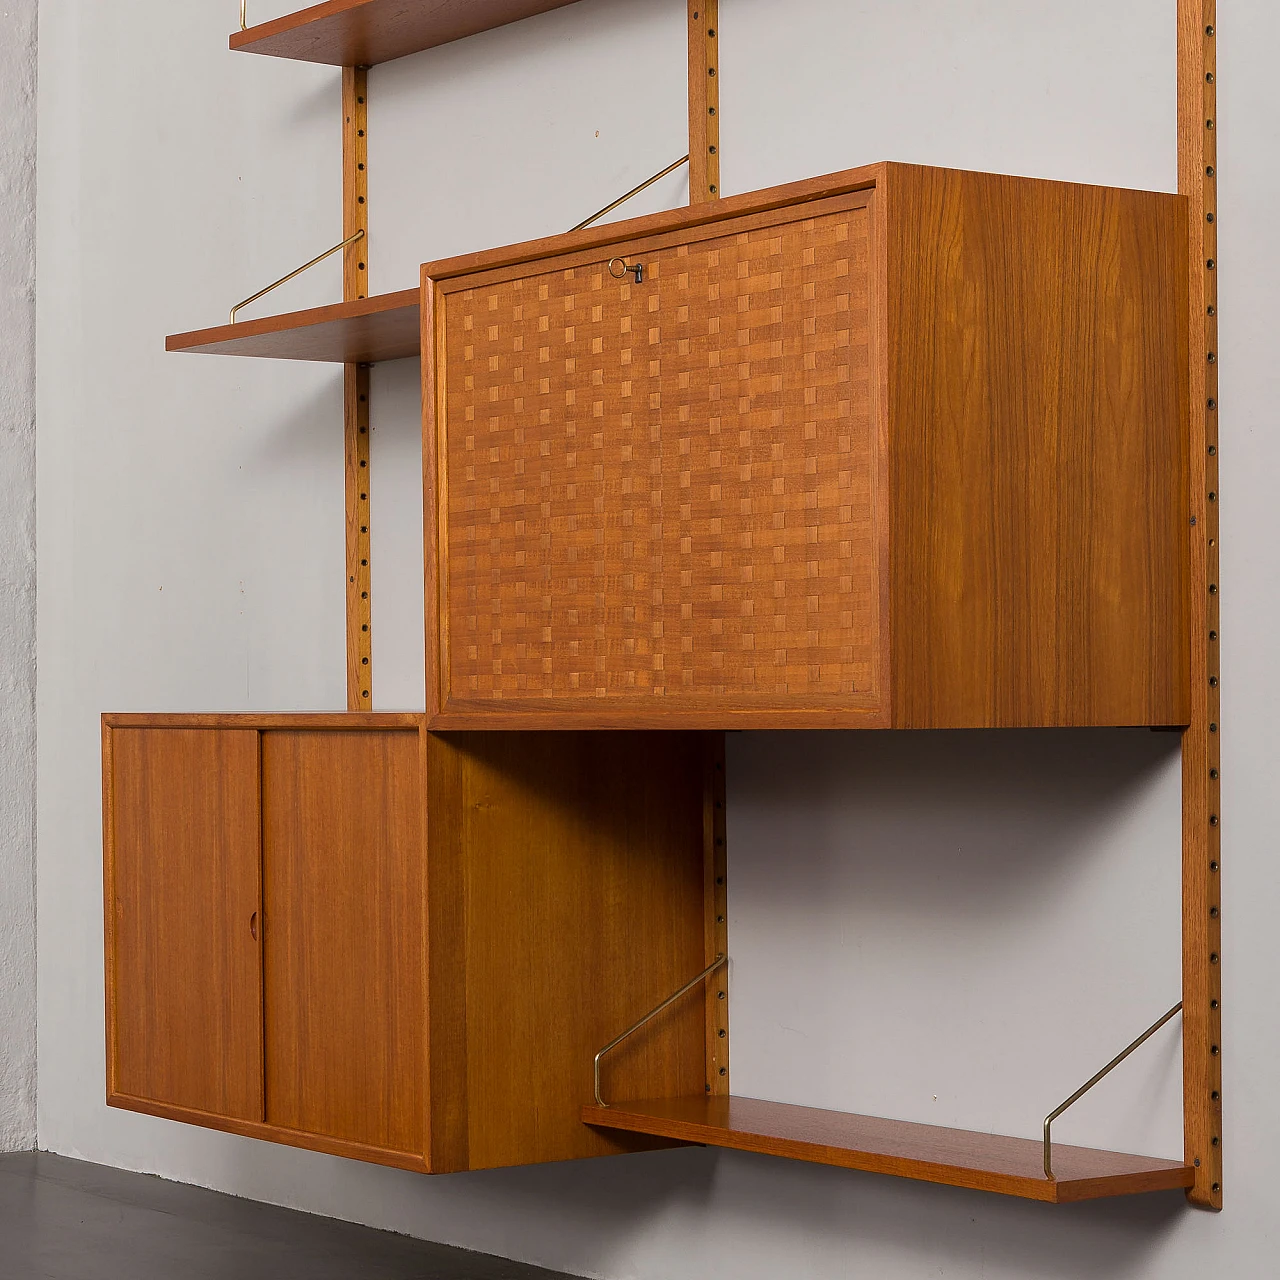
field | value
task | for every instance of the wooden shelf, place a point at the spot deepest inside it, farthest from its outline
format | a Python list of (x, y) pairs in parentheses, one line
[(364, 332), (927, 1153), (363, 33)]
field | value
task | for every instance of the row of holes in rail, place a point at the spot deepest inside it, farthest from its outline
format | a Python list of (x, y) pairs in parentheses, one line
[(1211, 406)]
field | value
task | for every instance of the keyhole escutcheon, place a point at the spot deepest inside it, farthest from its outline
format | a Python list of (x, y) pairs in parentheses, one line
[(619, 267)]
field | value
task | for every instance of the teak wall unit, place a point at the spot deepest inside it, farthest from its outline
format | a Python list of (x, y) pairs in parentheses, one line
[(1031, 411), (345, 933), (895, 447)]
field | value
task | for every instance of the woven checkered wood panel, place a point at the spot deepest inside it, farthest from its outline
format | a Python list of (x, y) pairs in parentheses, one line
[(664, 490)]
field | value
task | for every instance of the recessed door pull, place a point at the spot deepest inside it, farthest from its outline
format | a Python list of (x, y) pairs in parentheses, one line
[(619, 267)]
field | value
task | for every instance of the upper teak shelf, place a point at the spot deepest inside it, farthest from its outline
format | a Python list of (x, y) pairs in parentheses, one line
[(363, 33), (366, 331)]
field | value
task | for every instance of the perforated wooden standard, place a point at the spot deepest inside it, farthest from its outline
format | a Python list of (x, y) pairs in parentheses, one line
[(666, 488)]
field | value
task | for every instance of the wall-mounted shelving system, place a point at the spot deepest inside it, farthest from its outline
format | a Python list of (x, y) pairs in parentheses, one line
[(1167, 625)]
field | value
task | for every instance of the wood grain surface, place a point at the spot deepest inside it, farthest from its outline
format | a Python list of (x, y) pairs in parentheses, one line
[(344, 945), (363, 33), (704, 100), (435, 1013), (355, 398), (663, 492), (1202, 1047), (184, 985), (384, 327), (715, 894), (1037, 375), (413, 1162), (359, 538), (355, 181), (581, 248), (344, 721), (1022, 373), (927, 1153), (566, 901)]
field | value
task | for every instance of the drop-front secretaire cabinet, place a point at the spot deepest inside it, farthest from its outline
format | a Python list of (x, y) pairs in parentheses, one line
[(344, 933), (896, 447)]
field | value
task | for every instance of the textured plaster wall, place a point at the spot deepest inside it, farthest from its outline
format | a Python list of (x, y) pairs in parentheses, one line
[(17, 575), (948, 927)]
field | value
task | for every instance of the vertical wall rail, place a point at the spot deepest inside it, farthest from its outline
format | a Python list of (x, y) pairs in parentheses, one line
[(355, 284), (704, 101), (704, 186), (359, 625), (355, 180), (715, 895), (1201, 852)]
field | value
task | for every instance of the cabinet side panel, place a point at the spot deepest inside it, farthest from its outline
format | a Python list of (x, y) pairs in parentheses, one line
[(343, 941), (448, 1103), (185, 978), (1037, 412), (584, 910)]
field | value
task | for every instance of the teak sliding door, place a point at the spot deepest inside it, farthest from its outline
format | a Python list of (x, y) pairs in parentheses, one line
[(344, 897), (183, 935)]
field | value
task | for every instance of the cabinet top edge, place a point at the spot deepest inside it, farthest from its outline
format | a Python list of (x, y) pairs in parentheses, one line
[(686, 216), (265, 720), (842, 182)]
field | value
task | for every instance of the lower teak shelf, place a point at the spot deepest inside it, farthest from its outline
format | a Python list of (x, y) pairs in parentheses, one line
[(927, 1153)]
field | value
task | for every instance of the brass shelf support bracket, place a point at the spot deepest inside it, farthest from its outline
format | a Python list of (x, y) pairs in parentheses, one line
[(635, 191), (293, 275), (1080, 1092), (649, 1017), (244, 15)]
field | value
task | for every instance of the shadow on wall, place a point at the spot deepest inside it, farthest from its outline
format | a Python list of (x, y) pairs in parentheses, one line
[(938, 813), (798, 1221), (958, 928)]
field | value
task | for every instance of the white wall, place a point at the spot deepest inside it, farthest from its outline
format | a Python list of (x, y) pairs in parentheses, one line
[(947, 927), (17, 576)]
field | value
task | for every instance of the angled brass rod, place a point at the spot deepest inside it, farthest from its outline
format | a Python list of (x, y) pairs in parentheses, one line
[(1080, 1092), (244, 15), (306, 266), (635, 191), (649, 1017)]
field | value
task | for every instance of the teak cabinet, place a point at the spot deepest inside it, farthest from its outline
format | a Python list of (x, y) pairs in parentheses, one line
[(897, 447), (347, 934)]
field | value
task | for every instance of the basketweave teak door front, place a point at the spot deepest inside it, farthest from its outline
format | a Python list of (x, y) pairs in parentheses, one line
[(662, 496)]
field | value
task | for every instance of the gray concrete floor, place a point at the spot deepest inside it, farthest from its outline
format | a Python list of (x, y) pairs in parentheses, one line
[(65, 1220)]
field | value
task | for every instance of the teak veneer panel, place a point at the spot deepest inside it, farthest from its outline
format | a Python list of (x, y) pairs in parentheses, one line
[(363, 33), (365, 331), (449, 926), (344, 881), (927, 1153), (895, 447), (183, 969), (566, 901), (1037, 410)]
